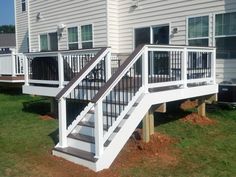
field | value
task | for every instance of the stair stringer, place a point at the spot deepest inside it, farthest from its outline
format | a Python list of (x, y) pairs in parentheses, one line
[(116, 145), (149, 99)]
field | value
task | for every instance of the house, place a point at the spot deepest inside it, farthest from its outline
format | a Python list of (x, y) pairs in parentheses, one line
[(7, 42), (11, 65), (70, 47)]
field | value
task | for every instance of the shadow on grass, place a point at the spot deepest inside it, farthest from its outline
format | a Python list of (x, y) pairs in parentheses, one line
[(54, 136), (11, 90), (173, 113), (40, 107)]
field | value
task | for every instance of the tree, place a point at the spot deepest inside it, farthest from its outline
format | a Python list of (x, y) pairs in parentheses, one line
[(7, 29)]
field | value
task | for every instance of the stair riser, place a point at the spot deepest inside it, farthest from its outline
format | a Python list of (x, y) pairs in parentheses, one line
[(89, 131), (89, 147), (86, 163), (105, 120)]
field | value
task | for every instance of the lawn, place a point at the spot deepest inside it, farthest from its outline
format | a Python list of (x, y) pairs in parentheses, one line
[(26, 141)]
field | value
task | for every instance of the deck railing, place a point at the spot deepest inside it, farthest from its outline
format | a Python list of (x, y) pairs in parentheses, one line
[(55, 69), (11, 64)]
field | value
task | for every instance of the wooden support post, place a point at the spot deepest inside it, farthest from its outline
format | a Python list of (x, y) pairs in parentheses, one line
[(201, 107), (146, 128), (160, 108), (151, 121)]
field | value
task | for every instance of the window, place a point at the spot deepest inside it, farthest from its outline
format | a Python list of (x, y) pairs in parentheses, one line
[(225, 35), (87, 36), (198, 31), (23, 5), (48, 42), (73, 38), (44, 42)]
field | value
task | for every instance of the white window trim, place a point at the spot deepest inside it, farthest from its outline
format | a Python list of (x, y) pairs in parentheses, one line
[(78, 31), (81, 42), (151, 31), (80, 35), (196, 38), (48, 40)]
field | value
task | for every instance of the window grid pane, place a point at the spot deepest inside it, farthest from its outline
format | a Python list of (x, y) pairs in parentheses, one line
[(86, 33), (44, 42), (198, 27), (73, 34), (225, 24)]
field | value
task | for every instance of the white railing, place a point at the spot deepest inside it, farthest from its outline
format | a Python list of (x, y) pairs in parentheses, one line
[(148, 67), (55, 68), (161, 66), (11, 64), (101, 61)]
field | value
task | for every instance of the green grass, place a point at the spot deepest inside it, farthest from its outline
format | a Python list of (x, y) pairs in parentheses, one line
[(202, 150), (21, 134)]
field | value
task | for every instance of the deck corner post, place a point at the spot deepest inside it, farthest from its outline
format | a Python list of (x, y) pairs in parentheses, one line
[(98, 131), (62, 122), (201, 107), (184, 70), (213, 66), (60, 70), (108, 65), (26, 70), (145, 69), (13, 64)]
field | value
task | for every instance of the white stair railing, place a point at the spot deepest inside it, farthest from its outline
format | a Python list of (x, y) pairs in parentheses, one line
[(97, 65)]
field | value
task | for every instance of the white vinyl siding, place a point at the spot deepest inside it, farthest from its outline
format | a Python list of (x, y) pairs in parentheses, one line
[(21, 27), (69, 13)]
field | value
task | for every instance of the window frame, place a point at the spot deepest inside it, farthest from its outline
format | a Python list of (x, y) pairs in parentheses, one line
[(81, 42), (48, 41), (23, 5), (198, 38), (221, 36), (78, 36)]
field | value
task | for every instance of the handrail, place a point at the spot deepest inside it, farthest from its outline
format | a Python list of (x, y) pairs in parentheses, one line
[(81, 75), (61, 51), (118, 74)]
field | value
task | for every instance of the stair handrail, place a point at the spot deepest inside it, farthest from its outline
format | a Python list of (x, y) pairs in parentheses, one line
[(83, 73), (121, 71)]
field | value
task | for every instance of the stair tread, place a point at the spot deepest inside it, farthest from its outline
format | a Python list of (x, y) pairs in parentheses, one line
[(105, 113), (89, 124), (81, 137), (92, 87), (77, 153), (117, 102)]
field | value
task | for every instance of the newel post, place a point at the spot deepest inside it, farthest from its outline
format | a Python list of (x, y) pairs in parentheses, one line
[(98, 132), (60, 71), (62, 122), (213, 66), (184, 67), (13, 64), (145, 69), (108, 65), (26, 70)]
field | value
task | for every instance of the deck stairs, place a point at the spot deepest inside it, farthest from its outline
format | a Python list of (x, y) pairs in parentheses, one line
[(98, 113)]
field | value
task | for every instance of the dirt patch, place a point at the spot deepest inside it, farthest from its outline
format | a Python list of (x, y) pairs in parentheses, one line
[(194, 118), (46, 117), (160, 150), (136, 151), (188, 105)]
